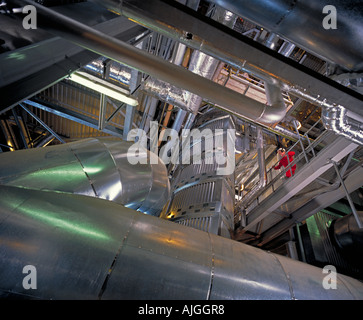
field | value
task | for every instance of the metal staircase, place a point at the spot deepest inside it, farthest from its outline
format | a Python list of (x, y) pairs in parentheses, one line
[(270, 204)]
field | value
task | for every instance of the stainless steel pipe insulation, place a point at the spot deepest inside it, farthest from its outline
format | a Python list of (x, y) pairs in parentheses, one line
[(336, 118), (93, 167), (89, 248), (112, 48), (242, 64), (200, 63), (301, 22)]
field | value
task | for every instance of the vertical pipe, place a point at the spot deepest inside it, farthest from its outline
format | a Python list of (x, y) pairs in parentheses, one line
[(261, 159), (103, 102)]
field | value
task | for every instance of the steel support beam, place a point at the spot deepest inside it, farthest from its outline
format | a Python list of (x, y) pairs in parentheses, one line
[(43, 124), (352, 182), (103, 102), (130, 110), (303, 177), (198, 32), (49, 61), (74, 116), (21, 132), (110, 47), (351, 203)]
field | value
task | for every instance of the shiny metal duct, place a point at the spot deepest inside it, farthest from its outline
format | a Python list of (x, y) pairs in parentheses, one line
[(346, 233), (301, 22), (336, 118), (167, 93), (118, 73), (93, 167), (200, 63), (96, 41), (203, 194), (219, 44), (89, 248)]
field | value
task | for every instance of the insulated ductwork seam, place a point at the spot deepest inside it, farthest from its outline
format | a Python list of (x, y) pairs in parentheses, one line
[(93, 167), (336, 119), (190, 264)]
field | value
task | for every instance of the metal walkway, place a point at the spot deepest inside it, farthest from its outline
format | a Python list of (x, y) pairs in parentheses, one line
[(270, 205)]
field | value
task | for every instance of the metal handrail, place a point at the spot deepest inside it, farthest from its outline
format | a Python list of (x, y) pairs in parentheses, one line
[(271, 181)]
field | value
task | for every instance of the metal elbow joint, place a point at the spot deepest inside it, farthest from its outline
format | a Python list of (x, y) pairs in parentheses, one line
[(336, 119), (275, 109)]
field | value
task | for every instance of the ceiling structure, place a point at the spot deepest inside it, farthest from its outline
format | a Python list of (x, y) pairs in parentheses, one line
[(284, 80)]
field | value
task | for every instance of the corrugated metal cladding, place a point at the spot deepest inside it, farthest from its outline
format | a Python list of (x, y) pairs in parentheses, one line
[(83, 101)]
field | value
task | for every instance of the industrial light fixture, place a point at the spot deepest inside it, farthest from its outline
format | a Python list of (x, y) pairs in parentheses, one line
[(103, 87)]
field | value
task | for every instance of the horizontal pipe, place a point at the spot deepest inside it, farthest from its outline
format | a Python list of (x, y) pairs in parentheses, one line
[(177, 23), (89, 248), (336, 119), (122, 52)]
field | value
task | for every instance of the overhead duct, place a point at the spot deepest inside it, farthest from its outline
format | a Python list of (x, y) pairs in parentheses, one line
[(155, 66), (94, 167), (301, 22), (200, 63), (89, 248), (203, 187), (167, 93), (118, 73), (336, 119), (202, 40)]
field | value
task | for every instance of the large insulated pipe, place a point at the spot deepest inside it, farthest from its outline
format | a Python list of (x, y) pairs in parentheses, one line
[(88, 248), (94, 167), (112, 48), (301, 22)]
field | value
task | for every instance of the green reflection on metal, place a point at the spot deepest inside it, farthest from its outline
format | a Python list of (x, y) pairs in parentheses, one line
[(312, 226), (93, 169), (56, 176), (51, 219), (16, 55)]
